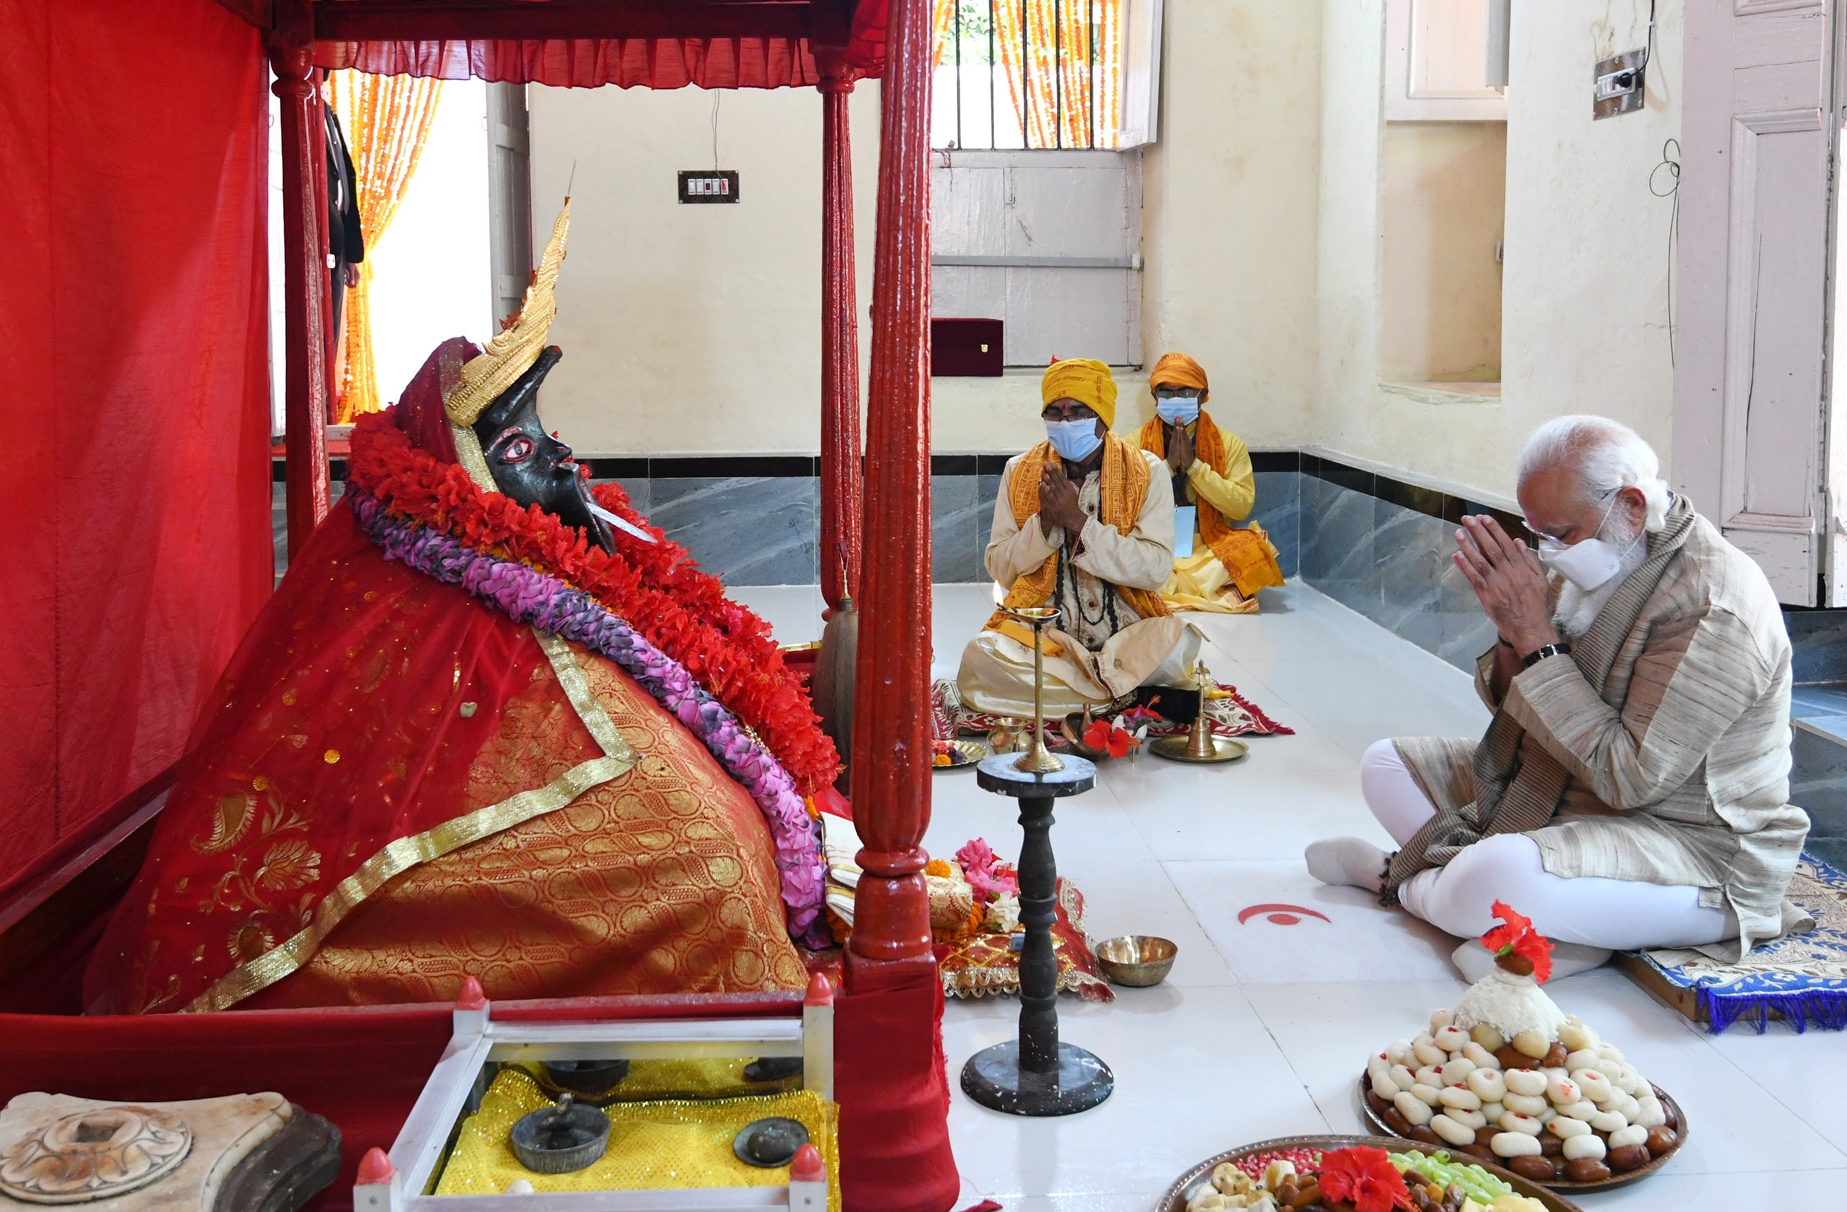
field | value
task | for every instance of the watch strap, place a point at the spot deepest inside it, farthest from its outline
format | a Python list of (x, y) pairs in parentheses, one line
[(1542, 652)]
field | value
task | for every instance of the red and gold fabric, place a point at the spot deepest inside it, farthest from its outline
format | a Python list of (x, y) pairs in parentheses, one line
[(381, 832), (985, 963), (395, 785)]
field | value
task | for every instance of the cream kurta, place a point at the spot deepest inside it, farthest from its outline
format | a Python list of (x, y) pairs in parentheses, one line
[(1101, 662), (1686, 780)]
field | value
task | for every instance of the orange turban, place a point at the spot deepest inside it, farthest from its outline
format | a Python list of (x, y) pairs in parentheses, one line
[(1085, 380), (1178, 370)]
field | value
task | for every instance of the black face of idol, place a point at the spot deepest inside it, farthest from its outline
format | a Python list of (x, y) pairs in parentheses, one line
[(529, 464)]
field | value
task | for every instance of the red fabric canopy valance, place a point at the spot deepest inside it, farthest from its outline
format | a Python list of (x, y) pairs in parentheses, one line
[(769, 61), (589, 63)]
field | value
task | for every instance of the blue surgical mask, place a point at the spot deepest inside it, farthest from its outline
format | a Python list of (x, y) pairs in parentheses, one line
[(1177, 410), (1075, 440)]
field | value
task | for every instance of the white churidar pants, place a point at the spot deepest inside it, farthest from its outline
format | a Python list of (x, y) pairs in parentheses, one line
[(1621, 915)]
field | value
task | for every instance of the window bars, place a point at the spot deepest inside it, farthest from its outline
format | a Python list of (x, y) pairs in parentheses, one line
[(1058, 63)]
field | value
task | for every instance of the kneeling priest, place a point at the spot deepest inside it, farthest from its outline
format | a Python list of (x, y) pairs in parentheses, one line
[(1084, 521), (1217, 566)]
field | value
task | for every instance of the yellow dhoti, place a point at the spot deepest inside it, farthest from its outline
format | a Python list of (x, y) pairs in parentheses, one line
[(1204, 581)]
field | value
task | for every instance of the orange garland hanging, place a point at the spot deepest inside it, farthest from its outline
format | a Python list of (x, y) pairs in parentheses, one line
[(387, 121), (1051, 103)]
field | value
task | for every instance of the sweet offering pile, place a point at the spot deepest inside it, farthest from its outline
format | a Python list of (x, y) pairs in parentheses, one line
[(1508, 1075)]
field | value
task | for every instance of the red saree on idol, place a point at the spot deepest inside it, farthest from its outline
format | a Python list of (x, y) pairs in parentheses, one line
[(397, 785)]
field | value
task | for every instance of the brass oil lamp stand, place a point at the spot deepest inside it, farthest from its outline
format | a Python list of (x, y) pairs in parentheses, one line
[(1199, 745), (1037, 1074)]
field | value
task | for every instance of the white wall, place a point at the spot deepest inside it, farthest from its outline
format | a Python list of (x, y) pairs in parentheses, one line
[(696, 329), (1229, 222), (692, 328), (1442, 187), (1584, 326)]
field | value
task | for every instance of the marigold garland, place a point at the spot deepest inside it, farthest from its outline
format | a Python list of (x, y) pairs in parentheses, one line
[(655, 586)]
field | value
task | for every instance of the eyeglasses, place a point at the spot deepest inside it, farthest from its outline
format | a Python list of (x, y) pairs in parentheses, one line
[(1537, 533)]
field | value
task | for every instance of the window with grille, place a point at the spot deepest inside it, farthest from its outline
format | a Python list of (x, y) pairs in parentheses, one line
[(1046, 75)]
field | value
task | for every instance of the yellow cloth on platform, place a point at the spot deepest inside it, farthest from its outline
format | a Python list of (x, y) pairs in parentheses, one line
[(1235, 563), (1085, 380), (1124, 486), (665, 1143)]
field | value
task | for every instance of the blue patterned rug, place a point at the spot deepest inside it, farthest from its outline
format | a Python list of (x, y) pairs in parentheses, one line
[(1802, 979)]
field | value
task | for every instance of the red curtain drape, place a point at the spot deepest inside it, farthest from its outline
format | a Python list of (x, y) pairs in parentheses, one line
[(133, 320)]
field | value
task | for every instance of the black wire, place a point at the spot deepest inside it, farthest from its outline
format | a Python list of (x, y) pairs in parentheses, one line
[(1670, 160)]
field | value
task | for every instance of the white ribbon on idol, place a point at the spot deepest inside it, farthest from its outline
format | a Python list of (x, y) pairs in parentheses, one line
[(613, 520)]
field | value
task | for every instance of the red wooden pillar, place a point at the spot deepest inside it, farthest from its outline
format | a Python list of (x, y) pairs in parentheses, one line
[(894, 1104), (840, 452), (891, 731), (304, 277)]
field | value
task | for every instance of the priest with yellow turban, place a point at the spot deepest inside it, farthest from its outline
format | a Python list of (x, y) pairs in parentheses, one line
[(1085, 522), (1223, 567)]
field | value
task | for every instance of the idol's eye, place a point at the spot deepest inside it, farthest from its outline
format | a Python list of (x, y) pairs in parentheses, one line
[(518, 450)]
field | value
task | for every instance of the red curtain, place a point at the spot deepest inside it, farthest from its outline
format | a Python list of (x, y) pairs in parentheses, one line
[(133, 320)]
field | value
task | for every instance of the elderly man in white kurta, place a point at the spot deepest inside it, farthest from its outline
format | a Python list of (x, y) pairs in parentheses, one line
[(1632, 789), (1085, 522)]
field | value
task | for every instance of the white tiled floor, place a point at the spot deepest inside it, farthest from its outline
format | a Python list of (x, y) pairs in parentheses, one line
[(1262, 1027)]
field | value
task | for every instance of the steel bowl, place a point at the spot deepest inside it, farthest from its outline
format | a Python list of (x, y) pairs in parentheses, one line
[(1136, 960)]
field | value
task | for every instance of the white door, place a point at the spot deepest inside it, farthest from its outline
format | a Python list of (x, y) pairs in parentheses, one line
[(1750, 380)]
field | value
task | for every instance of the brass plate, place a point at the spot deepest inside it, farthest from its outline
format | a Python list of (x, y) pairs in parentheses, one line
[(1615, 1180), (1173, 748), (967, 753)]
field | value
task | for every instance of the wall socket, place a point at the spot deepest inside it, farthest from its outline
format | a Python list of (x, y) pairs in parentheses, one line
[(1619, 84)]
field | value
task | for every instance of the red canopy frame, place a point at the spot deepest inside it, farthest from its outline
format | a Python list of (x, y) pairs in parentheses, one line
[(891, 1085)]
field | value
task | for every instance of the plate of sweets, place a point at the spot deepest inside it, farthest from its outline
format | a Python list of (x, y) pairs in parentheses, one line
[(1507, 1076), (1353, 1174)]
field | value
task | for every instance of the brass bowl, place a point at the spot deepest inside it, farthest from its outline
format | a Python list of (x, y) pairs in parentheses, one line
[(1136, 960)]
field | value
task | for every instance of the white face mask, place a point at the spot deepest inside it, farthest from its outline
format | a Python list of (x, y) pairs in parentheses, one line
[(1177, 410), (1588, 564), (1075, 440)]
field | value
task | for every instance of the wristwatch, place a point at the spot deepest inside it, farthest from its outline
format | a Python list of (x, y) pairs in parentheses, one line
[(1542, 652)]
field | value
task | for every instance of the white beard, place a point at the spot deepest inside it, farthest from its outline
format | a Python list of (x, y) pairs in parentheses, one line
[(1577, 608)]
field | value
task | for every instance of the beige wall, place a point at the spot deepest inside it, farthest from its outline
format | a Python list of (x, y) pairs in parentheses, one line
[(1584, 325), (692, 329), (696, 329), (1442, 187), (1228, 223)]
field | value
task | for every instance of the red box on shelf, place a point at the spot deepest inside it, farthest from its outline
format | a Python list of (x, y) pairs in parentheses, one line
[(966, 348)]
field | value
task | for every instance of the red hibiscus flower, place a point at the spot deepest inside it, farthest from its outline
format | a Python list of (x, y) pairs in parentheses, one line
[(1364, 1178), (1516, 937), (1105, 737)]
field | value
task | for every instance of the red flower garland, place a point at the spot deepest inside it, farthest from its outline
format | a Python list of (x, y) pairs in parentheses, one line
[(655, 587)]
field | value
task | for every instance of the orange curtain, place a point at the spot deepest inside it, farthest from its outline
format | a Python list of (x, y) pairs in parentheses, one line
[(1069, 85), (387, 119)]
